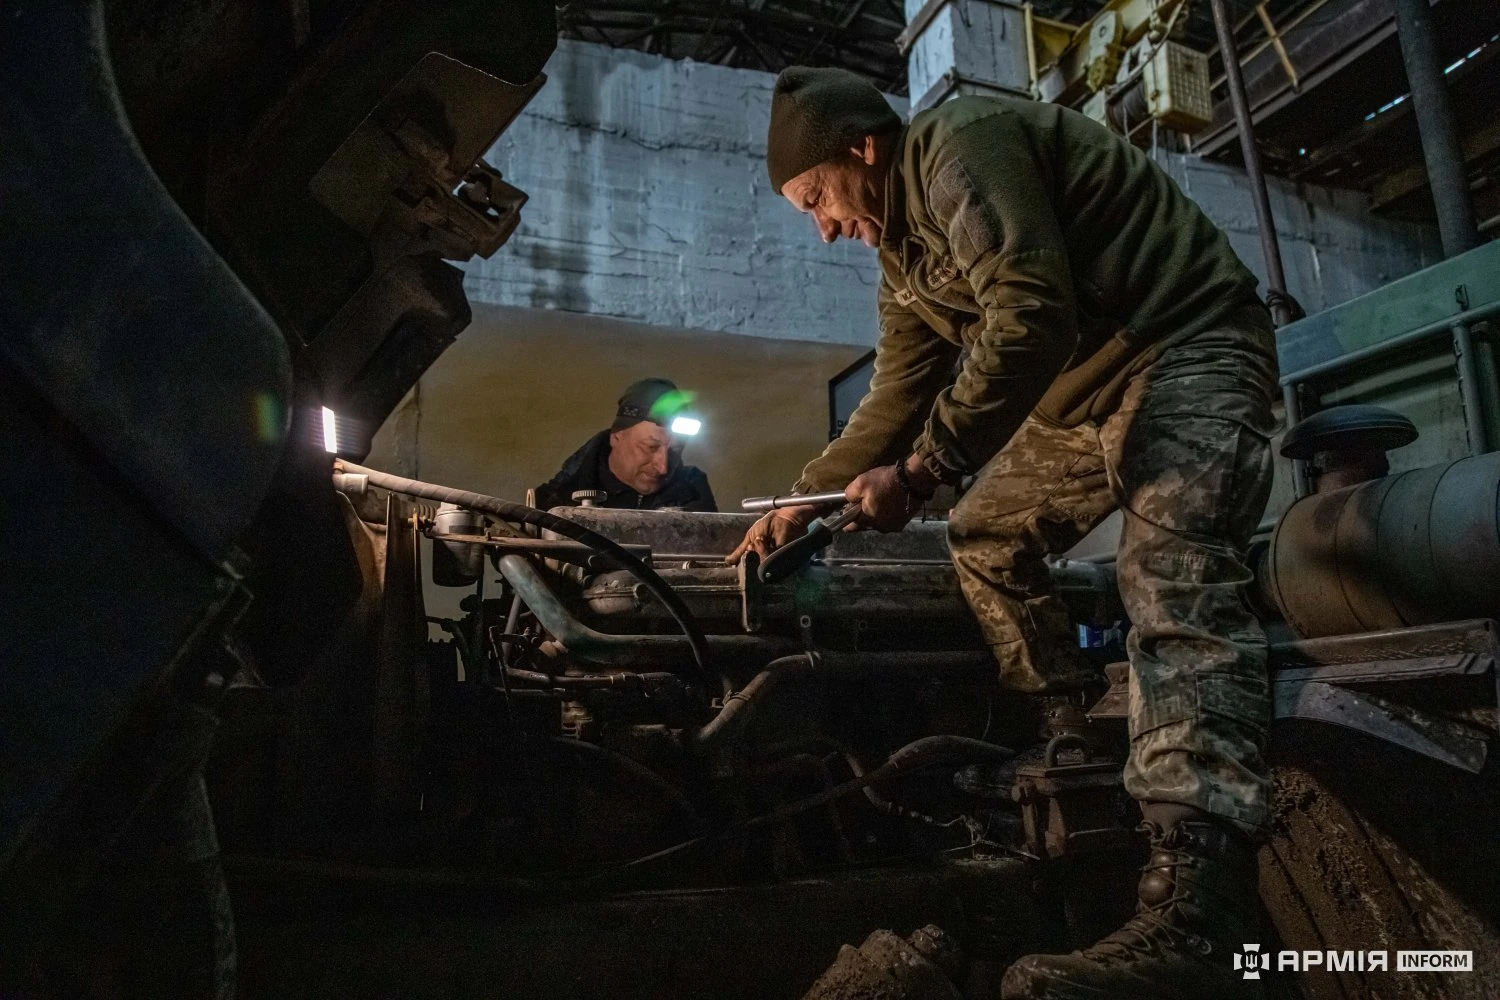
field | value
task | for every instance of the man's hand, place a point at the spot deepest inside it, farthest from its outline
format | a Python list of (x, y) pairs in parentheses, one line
[(884, 502), (774, 530)]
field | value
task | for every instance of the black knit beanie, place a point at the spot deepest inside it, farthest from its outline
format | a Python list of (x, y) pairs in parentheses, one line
[(639, 403), (816, 114)]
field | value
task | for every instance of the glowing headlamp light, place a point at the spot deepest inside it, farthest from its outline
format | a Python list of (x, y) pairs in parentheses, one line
[(686, 426), (330, 432)]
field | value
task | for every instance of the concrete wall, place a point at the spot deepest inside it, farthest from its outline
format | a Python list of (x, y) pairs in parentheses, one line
[(523, 388), (1332, 248), (650, 202)]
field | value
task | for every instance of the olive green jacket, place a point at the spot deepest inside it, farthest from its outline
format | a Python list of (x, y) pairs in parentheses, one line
[(1053, 257)]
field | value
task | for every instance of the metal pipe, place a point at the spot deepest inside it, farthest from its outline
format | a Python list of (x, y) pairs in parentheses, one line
[(740, 705), (761, 504), (508, 511), (1343, 361), (1437, 125), (1415, 548), (1468, 389), (672, 651), (1276, 297), (921, 753)]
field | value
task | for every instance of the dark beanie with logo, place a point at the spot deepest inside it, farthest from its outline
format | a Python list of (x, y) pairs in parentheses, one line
[(639, 401), (817, 114)]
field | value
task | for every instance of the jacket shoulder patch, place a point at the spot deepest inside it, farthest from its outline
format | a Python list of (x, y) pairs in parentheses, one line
[(905, 296)]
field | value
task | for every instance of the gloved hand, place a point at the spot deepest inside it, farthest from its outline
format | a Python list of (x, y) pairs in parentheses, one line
[(774, 530)]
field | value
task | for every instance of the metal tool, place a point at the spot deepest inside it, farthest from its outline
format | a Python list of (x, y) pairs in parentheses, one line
[(794, 555), (761, 504)]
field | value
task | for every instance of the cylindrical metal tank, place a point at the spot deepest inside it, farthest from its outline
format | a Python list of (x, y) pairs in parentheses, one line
[(1412, 549)]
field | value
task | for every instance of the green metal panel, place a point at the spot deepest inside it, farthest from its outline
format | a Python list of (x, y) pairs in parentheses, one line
[(1428, 296)]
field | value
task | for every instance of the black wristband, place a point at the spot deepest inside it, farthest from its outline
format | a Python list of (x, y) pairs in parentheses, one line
[(913, 498)]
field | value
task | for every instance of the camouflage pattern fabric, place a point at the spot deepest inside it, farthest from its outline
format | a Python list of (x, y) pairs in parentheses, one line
[(1187, 459)]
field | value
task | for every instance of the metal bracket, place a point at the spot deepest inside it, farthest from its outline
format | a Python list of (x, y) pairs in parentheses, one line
[(409, 177), (1072, 808)]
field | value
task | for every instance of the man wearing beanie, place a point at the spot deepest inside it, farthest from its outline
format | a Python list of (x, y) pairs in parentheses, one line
[(636, 462), (1111, 353)]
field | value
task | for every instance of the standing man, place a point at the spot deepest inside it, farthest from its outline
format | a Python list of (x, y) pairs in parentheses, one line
[(637, 462), (1111, 353)]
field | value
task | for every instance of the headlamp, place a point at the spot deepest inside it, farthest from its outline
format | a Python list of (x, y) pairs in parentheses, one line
[(330, 432)]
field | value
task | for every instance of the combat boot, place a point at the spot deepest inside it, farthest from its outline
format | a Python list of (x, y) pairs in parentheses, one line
[(1198, 905)]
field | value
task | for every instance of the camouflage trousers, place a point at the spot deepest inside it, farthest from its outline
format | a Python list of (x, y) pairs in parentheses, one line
[(1186, 458)]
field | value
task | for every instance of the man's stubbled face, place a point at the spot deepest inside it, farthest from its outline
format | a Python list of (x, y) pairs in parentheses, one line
[(638, 456), (845, 196)]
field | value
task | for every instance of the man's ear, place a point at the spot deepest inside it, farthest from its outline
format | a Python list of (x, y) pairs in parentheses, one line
[(866, 151)]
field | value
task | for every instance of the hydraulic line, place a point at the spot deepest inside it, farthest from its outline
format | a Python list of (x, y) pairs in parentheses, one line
[(508, 511)]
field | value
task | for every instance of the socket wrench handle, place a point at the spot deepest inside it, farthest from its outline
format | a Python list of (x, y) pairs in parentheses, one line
[(794, 555), (760, 505)]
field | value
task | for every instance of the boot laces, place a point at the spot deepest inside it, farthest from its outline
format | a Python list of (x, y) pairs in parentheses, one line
[(1152, 931)]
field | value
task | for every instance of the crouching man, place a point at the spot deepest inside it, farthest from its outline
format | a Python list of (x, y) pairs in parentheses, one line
[(1111, 353)]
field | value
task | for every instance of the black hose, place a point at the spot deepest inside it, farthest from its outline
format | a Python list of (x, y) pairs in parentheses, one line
[(506, 510), (738, 706)]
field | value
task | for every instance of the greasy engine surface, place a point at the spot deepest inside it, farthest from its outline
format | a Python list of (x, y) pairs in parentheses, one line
[(559, 725)]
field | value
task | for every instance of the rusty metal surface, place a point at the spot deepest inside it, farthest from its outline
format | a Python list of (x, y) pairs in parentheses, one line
[(717, 535), (1072, 808), (1477, 636), (1414, 549), (838, 591)]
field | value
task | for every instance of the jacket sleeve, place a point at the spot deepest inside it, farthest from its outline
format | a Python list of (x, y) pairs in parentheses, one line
[(555, 492), (703, 502), (988, 187), (912, 364)]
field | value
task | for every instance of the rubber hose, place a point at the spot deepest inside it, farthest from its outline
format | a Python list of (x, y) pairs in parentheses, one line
[(509, 511)]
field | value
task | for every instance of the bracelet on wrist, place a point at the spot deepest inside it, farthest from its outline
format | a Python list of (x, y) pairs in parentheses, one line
[(913, 498)]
